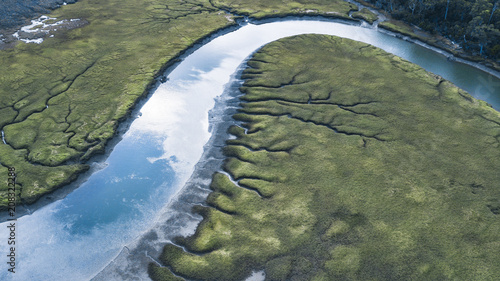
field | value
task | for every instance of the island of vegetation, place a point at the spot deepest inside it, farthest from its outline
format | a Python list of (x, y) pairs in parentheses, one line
[(366, 15), (62, 100), (350, 164)]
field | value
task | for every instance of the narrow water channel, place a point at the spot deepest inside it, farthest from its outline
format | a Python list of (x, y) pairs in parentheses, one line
[(76, 237)]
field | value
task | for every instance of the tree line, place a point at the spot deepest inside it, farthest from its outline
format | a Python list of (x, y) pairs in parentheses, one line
[(473, 24)]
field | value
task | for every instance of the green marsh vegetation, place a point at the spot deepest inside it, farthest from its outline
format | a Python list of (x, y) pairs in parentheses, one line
[(366, 15), (351, 164), (259, 9), (62, 100)]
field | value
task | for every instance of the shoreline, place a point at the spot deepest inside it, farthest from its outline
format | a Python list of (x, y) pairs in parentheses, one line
[(177, 217), (440, 44), (97, 160), (221, 241), (441, 51)]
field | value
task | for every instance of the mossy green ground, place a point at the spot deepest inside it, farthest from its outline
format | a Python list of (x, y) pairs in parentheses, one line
[(264, 8), (405, 29), (89, 78), (61, 101), (353, 165), (366, 15)]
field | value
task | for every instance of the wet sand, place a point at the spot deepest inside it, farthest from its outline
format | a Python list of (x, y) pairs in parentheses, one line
[(177, 218)]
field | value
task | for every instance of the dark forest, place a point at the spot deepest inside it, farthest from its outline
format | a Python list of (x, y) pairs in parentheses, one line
[(473, 24)]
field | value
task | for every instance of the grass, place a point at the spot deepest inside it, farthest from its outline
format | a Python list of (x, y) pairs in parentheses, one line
[(403, 28), (259, 9), (365, 15), (346, 172), (61, 101)]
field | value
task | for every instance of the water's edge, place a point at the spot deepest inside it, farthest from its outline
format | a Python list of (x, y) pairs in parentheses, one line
[(176, 217), (442, 52), (97, 161)]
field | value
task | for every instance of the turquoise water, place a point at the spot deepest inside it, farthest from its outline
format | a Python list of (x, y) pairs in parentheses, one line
[(74, 238), (117, 192)]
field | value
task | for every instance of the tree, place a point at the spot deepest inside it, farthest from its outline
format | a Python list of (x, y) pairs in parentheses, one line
[(481, 8), (485, 35), (474, 23), (447, 8), (492, 10), (412, 4)]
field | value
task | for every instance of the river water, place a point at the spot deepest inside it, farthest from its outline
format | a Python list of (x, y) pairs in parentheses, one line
[(76, 237)]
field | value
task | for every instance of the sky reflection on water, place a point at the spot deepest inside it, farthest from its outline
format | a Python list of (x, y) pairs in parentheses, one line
[(74, 238)]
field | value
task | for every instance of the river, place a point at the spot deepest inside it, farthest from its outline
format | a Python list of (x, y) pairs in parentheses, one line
[(76, 237)]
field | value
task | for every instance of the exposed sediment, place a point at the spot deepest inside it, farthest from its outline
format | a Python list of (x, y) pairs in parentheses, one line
[(177, 218), (345, 205), (50, 123), (79, 135)]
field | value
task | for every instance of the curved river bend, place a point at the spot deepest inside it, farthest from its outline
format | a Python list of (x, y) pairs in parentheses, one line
[(76, 237)]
